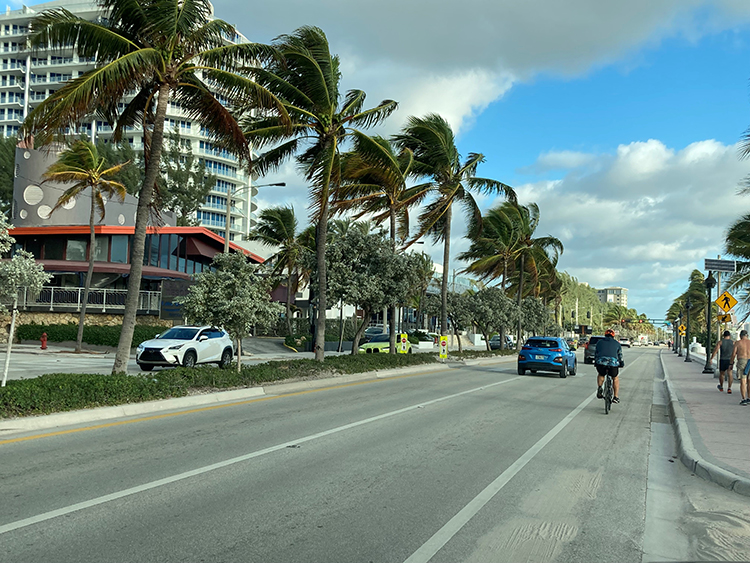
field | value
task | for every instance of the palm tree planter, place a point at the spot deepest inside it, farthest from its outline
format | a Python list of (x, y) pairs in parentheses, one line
[(82, 166), (161, 50)]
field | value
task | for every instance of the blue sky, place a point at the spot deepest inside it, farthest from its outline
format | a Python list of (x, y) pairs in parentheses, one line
[(620, 120)]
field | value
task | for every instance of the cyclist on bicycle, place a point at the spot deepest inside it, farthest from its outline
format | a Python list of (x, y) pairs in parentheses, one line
[(608, 359)]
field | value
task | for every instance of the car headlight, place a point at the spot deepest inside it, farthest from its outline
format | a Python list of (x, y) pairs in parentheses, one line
[(175, 347), (140, 348)]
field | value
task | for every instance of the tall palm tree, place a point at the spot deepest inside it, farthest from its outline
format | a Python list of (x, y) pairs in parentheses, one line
[(374, 181), (82, 166), (277, 226), (307, 82), (450, 180), (158, 50)]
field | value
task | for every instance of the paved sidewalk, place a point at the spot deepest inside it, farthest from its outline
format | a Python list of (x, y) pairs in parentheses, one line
[(717, 423)]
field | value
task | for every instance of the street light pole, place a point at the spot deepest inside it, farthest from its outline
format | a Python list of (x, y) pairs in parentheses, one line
[(709, 283), (230, 195), (687, 331), (679, 339)]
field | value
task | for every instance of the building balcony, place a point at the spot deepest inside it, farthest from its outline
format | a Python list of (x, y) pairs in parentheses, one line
[(100, 300), (15, 86), (13, 68)]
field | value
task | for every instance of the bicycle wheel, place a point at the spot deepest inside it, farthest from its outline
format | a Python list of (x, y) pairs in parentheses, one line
[(608, 394)]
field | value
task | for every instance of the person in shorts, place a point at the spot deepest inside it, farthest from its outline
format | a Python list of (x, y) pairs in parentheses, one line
[(742, 353), (725, 348), (608, 360)]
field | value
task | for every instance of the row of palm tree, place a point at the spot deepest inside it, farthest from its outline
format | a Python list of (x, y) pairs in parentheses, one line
[(284, 99)]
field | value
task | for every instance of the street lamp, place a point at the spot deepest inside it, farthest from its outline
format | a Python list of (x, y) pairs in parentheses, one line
[(679, 338), (688, 304), (230, 195), (710, 283)]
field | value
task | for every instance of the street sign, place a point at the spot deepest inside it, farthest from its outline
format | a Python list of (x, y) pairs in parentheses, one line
[(682, 328), (682, 333), (726, 318), (443, 347), (719, 265), (404, 343), (726, 301)]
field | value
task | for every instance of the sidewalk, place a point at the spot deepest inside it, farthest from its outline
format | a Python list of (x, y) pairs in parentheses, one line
[(714, 422)]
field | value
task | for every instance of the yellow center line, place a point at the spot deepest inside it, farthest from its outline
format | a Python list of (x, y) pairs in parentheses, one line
[(209, 408)]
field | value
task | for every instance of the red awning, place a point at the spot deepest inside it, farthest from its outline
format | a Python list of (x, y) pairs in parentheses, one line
[(71, 266)]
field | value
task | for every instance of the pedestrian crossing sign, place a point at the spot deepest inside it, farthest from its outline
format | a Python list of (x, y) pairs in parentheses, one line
[(726, 301)]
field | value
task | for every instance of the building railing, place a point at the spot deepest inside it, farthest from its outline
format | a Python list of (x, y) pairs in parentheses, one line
[(100, 300)]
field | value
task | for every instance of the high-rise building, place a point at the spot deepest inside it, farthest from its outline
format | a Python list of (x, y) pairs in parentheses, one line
[(615, 295), (27, 78)]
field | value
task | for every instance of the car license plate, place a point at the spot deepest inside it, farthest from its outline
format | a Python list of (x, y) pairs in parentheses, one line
[(539, 357)]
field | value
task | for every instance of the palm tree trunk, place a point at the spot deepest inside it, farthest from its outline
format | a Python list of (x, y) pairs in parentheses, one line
[(139, 237), (392, 322), (502, 327), (520, 297), (341, 325), (446, 268), (89, 275), (320, 250), (289, 303), (239, 355)]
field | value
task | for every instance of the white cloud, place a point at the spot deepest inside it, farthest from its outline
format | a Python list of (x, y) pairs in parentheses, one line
[(645, 217), (562, 160)]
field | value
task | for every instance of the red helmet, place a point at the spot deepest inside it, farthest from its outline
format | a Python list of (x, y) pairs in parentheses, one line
[(609, 332)]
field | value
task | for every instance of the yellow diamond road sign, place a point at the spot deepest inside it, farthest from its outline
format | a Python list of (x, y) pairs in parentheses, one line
[(682, 328), (726, 301), (724, 318)]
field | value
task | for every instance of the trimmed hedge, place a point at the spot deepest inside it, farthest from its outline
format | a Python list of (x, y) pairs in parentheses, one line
[(94, 335), (58, 392), (470, 354)]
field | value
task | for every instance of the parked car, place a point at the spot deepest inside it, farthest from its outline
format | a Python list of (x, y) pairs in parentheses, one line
[(625, 342), (547, 353), (186, 346), (589, 352), (495, 343), (381, 343), (371, 331)]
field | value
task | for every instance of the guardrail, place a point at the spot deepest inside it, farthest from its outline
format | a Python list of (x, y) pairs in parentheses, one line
[(100, 300)]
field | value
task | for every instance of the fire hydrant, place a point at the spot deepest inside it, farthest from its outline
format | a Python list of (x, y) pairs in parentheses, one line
[(43, 340)]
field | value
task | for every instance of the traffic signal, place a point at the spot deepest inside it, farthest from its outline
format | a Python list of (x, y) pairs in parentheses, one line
[(640, 321), (573, 314), (588, 314)]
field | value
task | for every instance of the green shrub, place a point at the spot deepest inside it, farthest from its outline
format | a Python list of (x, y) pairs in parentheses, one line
[(471, 354), (94, 335), (57, 392)]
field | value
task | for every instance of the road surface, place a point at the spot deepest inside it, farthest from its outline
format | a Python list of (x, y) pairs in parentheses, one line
[(469, 464)]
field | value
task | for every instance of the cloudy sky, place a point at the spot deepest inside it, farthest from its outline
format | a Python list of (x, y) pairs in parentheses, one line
[(620, 119)]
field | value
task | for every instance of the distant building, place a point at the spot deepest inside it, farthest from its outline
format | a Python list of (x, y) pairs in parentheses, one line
[(615, 295)]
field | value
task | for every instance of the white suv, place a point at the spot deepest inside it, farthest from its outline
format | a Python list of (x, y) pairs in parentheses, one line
[(186, 346)]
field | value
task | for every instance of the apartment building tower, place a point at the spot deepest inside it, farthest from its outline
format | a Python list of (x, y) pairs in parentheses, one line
[(27, 78), (615, 295)]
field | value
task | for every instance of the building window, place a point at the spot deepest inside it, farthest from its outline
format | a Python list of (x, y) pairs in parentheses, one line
[(76, 250), (101, 254), (120, 249), (34, 245), (54, 248), (154, 252), (164, 252)]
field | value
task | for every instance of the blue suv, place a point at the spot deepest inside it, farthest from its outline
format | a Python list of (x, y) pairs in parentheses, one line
[(547, 353)]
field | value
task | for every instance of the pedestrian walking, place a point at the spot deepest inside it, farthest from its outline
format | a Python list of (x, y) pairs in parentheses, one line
[(725, 348), (742, 354)]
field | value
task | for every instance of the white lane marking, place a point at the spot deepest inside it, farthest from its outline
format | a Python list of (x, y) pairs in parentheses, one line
[(454, 525), (201, 470)]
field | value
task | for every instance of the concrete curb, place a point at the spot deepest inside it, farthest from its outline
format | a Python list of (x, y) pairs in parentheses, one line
[(31, 423), (687, 452)]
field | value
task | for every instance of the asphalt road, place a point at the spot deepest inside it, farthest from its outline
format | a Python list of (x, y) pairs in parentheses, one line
[(469, 464)]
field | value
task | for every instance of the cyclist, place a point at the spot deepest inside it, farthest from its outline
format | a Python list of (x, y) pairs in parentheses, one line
[(608, 359)]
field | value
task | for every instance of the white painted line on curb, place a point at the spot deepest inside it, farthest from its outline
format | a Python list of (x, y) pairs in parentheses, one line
[(201, 470)]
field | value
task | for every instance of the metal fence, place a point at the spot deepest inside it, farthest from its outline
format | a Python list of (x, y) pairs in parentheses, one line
[(100, 300)]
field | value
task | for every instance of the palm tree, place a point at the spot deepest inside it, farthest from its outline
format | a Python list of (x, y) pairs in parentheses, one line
[(82, 166), (277, 227), (374, 181), (307, 82), (431, 140), (510, 243), (147, 52)]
